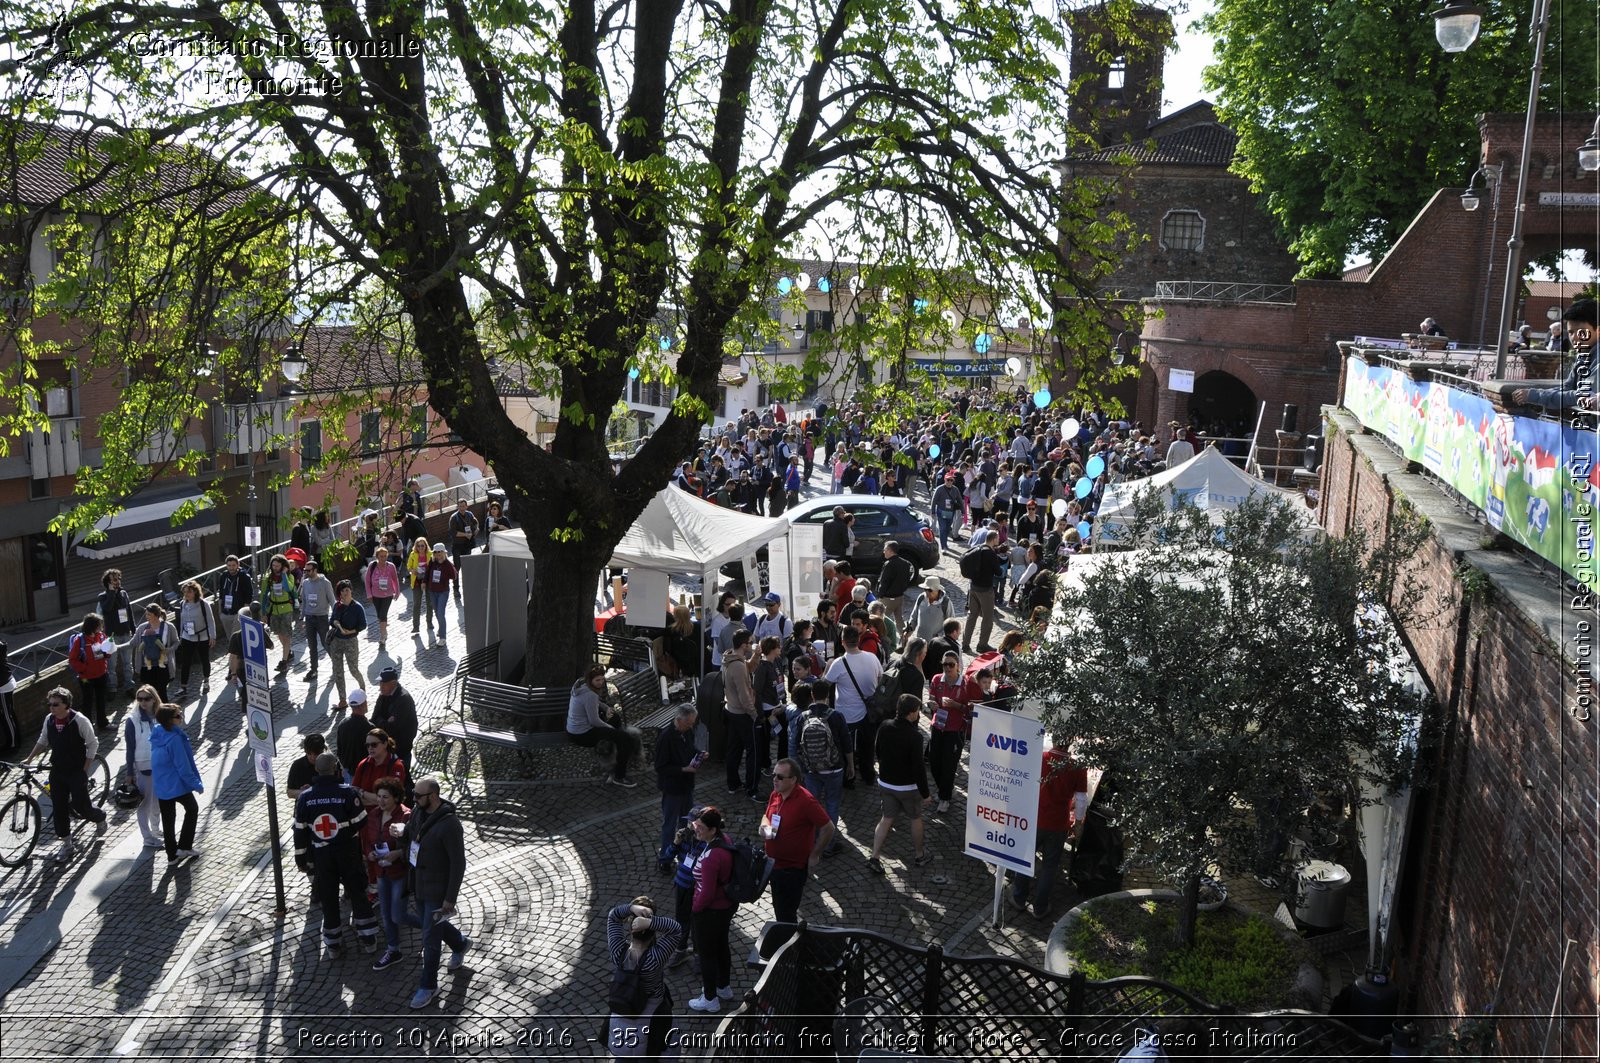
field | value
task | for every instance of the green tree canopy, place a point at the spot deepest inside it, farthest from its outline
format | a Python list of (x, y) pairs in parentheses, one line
[(1350, 115), (554, 184), (1216, 670)]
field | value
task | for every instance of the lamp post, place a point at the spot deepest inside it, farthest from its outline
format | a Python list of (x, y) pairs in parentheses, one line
[(1456, 27)]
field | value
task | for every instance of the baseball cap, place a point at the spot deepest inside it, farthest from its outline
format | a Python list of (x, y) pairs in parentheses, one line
[(389, 675), (771, 598), (358, 696)]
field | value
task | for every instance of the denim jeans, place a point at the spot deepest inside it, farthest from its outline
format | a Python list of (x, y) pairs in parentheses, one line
[(316, 635), (392, 908), (438, 603), (828, 787), (946, 521), (432, 934), (674, 807)]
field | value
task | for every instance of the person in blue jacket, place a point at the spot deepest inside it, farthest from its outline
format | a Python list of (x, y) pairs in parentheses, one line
[(176, 778)]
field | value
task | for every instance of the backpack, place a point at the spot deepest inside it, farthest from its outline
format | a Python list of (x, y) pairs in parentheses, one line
[(628, 996), (969, 563), (748, 879), (818, 751), (886, 695)]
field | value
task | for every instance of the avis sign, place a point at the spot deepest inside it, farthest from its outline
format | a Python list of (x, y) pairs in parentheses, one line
[(1003, 788)]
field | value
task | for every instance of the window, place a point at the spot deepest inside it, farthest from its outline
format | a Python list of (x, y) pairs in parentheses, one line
[(419, 426), (1183, 230), (816, 321), (371, 435), (722, 402), (1117, 73), (870, 520), (651, 393), (310, 443)]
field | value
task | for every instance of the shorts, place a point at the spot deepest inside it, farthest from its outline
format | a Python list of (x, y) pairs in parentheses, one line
[(381, 605), (898, 803), (282, 624)]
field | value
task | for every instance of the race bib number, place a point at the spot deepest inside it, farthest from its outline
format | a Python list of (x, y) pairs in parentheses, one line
[(438, 575), (777, 821), (311, 602), (188, 627), (122, 616), (383, 583), (227, 603), (940, 717), (415, 847)]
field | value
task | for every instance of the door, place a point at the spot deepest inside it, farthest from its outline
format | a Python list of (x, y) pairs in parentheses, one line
[(873, 527)]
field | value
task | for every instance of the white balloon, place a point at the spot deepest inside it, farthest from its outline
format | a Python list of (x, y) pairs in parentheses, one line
[(1013, 366), (803, 281), (1058, 508), (855, 283), (1070, 428)]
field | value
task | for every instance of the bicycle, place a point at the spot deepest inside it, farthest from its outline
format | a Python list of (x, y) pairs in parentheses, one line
[(22, 818)]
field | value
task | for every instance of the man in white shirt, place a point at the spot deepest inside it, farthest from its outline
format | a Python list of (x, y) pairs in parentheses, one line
[(854, 676), (771, 622), (1180, 449)]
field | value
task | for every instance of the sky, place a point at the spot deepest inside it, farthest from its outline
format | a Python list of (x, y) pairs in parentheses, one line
[(1184, 66)]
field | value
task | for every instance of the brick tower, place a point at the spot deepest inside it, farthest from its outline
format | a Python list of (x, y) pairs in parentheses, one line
[(1115, 66)]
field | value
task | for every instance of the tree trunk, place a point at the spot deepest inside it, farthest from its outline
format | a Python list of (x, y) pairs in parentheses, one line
[(1189, 910), (561, 612)]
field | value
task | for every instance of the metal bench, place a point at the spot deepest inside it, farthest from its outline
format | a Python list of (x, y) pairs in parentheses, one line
[(500, 715), (623, 654), (482, 663)]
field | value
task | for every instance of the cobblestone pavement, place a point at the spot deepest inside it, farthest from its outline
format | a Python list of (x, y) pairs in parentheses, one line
[(119, 956)]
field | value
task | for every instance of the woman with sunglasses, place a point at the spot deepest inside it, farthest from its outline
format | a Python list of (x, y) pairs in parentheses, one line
[(950, 697), (640, 943), (379, 763), (387, 866), (136, 732)]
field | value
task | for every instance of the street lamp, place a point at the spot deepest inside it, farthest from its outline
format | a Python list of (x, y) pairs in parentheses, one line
[(1589, 154), (1456, 27)]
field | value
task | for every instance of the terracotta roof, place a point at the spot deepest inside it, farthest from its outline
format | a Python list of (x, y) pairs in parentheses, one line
[(343, 358), (1557, 289), (1205, 144), (47, 163)]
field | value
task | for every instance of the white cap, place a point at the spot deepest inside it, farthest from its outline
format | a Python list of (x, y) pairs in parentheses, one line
[(358, 696)]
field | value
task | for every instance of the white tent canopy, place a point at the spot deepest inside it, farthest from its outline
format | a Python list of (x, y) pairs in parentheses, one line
[(1208, 481), (678, 532)]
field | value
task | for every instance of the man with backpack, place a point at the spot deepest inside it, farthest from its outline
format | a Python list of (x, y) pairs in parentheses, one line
[(981, 565), (854, 675), (825, 754), (117, 609)]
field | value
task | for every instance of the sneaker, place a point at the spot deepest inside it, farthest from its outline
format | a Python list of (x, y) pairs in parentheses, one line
[(832, 851), (421, 998), (734, 789), (626, 784), (924, 860), (62, 854), (102, 823), (758, 798), (205, 688), (153, 843), (187, 854), (725, 993), (370, 945), (389, 958), (942, 806), (458, 956), (182, 693), (702, 1004), (333, 952), (875, 865)]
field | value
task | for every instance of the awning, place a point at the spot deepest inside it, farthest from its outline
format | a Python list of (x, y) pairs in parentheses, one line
[(147, 526)]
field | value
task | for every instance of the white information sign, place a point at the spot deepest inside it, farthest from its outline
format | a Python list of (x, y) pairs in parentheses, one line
[(1181, 380), (1003, 788), (259, 732), (264, 771), (779, 581), (252, 535), (805, 560)]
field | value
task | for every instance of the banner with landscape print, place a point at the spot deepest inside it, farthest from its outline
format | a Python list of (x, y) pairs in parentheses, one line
[(1535, 481)]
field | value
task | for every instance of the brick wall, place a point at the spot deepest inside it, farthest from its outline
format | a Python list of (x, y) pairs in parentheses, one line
[(1500, 869)]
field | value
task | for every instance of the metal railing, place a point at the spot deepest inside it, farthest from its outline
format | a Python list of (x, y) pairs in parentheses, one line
[(33, 661), (1224, 292), (1473, 365)]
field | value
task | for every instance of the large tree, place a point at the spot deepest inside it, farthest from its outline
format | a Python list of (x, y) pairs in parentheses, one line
[(559, 184), (1350, 116), (1224, 677)]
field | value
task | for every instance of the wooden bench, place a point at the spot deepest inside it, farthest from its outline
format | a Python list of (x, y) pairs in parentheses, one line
[(505, 716), (623, 654)]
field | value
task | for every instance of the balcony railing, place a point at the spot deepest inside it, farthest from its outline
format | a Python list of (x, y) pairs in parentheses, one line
[(250, 427), (55, 452), (1224, 292), (162, 445)]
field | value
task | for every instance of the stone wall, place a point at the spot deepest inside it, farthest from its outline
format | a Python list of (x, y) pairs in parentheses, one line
[(1497, 907)]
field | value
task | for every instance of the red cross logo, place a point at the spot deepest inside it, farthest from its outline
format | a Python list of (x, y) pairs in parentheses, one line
[(325, 826)]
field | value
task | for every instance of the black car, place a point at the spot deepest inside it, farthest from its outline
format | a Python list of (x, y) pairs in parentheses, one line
[(879, 518)]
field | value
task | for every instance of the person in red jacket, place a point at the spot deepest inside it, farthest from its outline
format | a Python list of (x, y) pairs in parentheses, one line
[(1063, 802), (713, 912), (950, 699), (87, 654)]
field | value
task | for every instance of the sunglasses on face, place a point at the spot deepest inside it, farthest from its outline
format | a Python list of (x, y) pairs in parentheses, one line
[(374, 745), (144, 697), (781, 778)]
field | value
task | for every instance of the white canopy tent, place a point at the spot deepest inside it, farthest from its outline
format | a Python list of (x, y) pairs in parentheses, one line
[(1208, 481)]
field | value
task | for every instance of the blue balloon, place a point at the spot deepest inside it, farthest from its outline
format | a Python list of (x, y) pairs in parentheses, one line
[(665, 342), (919, 305), (1084, 529), (1083, 487), (633, 372), (824, 284), (1096, 466), (785, 285), (933, 451), (981, 344), (1041, 398)]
